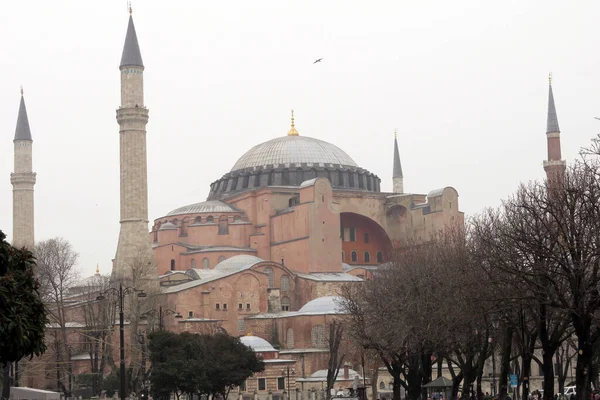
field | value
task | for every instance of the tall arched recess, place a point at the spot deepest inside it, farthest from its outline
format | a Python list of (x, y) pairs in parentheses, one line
[(352, 231)]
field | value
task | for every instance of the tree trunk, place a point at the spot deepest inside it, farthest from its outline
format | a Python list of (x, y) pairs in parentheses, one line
[(505, 364), (374, 378), (525, 374), (456, 384), (548, 368), (396, 385), (582, 370), (6, 382), (426, 371)]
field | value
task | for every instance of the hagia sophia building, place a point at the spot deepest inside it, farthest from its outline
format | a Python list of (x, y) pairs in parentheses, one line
[(266, 254)]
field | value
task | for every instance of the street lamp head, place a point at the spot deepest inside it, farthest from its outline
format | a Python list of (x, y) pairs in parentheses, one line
[(142, 294), (178, 315), (100, 297)]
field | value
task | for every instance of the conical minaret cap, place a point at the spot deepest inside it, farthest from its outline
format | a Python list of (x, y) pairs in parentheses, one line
[(22, 132), (131, 50), (552, 125), (397, 165)]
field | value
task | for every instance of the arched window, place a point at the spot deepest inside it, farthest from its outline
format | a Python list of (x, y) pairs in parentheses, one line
[(237, 218), (340, 178), (193, 263), (271, 179), (205, 263), (351, 179), (172, 265), (257, 180), (198, 220), (223, 225), (289, 338), (245, 180), (367, 257), (379, 257), (299, 176), (285, 304), (361, 181), (317, 336), (285, 177), (354, 256), (222, 258), (210, 219), (382, 385), (366, 237), (284, 283), (269, 272)]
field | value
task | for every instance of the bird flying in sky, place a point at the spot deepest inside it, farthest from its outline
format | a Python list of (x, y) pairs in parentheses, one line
[(318, 60)]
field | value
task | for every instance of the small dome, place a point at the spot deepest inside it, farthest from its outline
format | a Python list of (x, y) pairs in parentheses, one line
[(323, 305), (257, 344), (322, 374), (167, 226), (211, 206), (293, 150), (237, 263)]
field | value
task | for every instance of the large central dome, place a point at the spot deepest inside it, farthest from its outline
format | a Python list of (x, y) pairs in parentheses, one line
[(293, 150), (290, 160)]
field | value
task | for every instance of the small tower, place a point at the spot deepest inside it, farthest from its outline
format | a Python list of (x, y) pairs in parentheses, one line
[(397, 177), (132, 116), (553, 166), (23, 180)]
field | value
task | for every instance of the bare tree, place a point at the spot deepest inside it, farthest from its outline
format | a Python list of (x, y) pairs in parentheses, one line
[(56, 271), (336, 332), (99, 320)]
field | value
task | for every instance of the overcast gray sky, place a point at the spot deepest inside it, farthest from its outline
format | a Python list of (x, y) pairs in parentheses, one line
[(464, 82)]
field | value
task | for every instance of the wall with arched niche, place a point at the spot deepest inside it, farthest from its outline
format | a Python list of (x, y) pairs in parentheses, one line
[(364, 241)]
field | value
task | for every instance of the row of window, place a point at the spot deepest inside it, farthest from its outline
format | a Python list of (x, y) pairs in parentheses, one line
[(335, 177), (366, 257), (262, 384), (349, 235), (284, 282), (205, 263)]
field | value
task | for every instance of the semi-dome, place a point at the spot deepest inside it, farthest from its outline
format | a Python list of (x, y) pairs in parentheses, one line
[(167, 226), (237, 263), (211, 206), (323, 305), (293, 151), (257, 344)]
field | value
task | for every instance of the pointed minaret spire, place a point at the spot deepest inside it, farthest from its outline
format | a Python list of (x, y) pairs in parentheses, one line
[(552, 125), (22, 132), (131, 50), (554, 166), (397, 177), (23, 180)]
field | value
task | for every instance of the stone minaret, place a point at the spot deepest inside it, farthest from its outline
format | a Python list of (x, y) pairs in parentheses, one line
[(132, 116), (397, 177), (554, 166), (23, 180)]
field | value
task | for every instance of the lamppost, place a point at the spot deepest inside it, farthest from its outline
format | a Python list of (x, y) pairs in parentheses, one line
[(285, 372), (495, 325), (120, 293), (160, 314)]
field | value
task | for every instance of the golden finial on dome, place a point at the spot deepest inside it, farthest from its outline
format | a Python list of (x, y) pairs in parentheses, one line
[(550, 78), (130, 9), (293, 131), (97, 269)]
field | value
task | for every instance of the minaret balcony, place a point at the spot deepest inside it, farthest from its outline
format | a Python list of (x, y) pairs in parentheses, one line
[(552, 163), (17, 178)]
